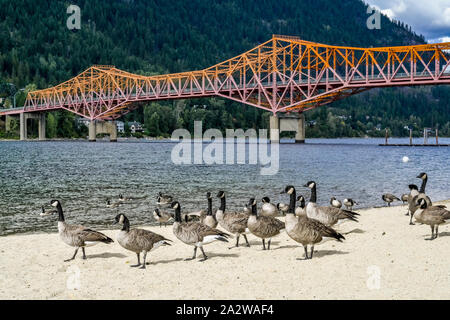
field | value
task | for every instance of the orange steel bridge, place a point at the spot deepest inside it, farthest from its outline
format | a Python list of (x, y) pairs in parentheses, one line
[(283, 74)]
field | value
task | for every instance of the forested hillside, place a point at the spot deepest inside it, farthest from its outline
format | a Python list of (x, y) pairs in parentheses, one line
[(150, 37)]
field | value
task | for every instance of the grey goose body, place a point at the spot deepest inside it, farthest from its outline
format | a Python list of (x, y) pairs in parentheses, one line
[(138, 240), (77, 235), (164, 199), (162, 216), (349, 203), (263, 227), (335, 203), (268, 209), (195, 233), (389, 198), (305, 230), (327, 215), (434, 216), (233, 222)]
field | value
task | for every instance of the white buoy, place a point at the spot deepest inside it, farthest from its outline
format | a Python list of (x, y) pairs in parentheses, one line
[(405, 159)]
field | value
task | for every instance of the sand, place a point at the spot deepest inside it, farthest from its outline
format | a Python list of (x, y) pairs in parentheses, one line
[(382, 258)]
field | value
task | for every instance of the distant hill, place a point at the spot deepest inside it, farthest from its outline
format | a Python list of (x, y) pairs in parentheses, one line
[(151, 37)]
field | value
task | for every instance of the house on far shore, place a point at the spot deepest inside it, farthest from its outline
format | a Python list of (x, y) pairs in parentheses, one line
[(83, 121), (120, 126), (135, 127)]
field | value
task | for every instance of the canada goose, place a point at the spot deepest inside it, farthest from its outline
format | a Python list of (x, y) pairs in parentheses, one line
[(282, 207), (335, 203), (268, 209), (163, 199), (349, 203), (162, 216), (301, 209), (416, 195), (46, 213), (233, 222), (209, 218), (123, 199), (432, 216), (263, 227), (305, 230), (195, 233), (138, 240), (110, 204), (77, 235), (389, 198), (327, 215), (404, 198)]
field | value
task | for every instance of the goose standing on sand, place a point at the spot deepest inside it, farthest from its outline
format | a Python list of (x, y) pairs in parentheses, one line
[(282, 207), (301, 209), (138, 240), (233, 222), (389, 198), (77, 235), (335, 203), (195, 233), (416, 195), (263, 227), (349, 203), (162, 216), (268, 209), (432, 216), (305, 230), (209, 218), (163, 199), (404, 199), (327, 215)]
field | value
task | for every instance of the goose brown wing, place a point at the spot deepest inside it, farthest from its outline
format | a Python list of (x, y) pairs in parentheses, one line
[(92, 235), (269, 226), (323, 230)]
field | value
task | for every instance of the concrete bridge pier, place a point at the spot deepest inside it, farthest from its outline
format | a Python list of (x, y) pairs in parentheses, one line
[(288, 122), (105, 127), (23, 125)]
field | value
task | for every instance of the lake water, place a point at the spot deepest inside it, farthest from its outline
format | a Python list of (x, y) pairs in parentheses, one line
[(82, 175)]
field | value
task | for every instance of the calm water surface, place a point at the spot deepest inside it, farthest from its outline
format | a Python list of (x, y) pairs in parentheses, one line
[(82, 175)]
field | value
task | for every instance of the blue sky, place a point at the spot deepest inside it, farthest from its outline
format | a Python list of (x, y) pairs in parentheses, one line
[(428, 17)]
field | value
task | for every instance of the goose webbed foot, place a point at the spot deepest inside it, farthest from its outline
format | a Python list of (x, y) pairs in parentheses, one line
[(306, 254), (84, 254), (432, 234), (204, 255), (74, 255), (143, 264), (312, 252), (237, 243), (264, 244), (268, 245)]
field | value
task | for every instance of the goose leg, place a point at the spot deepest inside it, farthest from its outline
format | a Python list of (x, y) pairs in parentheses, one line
[(139, 261), (160, 224), (245, 237), (264, 244), (143, 264), (312, 252), (195, 255), (237, 242), (74, 255), (436, 232), (204, 255), (306, 253), (84, 253), (432, 234), (268, 246), (410, 219)]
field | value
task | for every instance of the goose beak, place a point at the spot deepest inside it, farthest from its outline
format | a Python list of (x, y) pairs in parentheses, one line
[(282, 192)]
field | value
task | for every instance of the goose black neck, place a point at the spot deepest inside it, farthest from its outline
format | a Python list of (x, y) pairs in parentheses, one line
[(313, 195), (424, 184), (126, 224), (292, 201), (178, 214), (254, 212), (302, 203), (209, 213), (222, 204), (60, 213)]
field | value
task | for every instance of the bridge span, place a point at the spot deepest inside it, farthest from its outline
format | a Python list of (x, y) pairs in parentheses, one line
[(283, 75)]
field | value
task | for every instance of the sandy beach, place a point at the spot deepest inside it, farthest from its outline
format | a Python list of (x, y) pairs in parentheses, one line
[(382, 258)]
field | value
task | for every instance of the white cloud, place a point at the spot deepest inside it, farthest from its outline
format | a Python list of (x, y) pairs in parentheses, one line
[(428, 17)]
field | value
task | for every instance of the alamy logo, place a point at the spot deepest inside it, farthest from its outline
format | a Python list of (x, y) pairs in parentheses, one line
[(374, 21), (232, 148), (73, 278), (74, 20), (374, 280)]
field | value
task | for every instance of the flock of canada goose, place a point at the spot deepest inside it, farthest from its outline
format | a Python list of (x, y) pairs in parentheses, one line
[(308, 224)]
